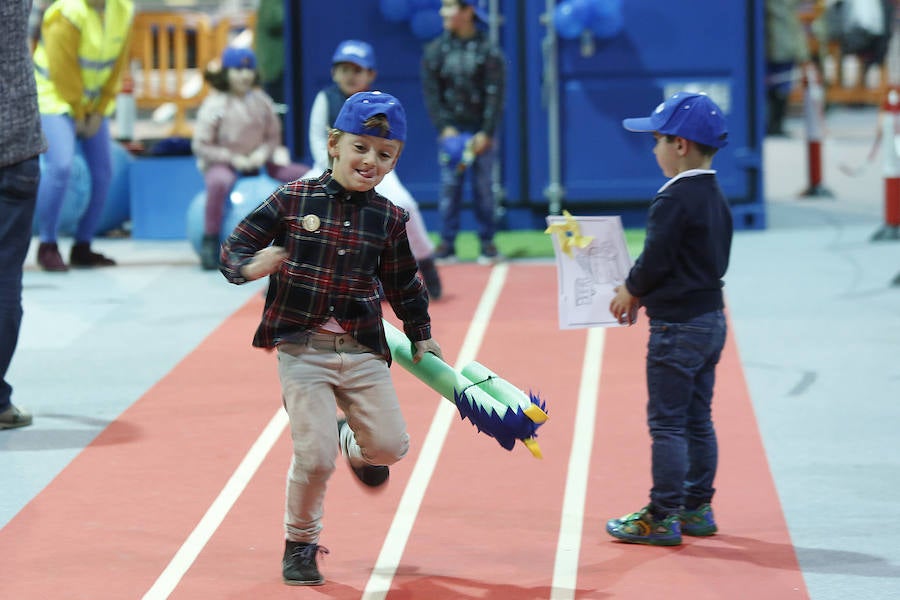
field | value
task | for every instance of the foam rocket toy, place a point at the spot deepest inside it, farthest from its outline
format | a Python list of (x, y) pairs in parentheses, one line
[(493, 405)]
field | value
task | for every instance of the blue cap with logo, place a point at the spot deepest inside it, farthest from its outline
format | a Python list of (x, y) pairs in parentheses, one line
[(694, 117), (354, 51), (238, 58), (362, 106)]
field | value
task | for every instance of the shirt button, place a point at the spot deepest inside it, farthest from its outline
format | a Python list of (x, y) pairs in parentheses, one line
[(346, 223), (330, 309), (342, 252)]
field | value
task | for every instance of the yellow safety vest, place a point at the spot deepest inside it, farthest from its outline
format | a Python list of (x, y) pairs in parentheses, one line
[(100, 38)]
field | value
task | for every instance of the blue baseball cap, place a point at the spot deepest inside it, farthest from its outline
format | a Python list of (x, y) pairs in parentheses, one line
[(238, 58), (361, 106), (694, 117), (356, 52)]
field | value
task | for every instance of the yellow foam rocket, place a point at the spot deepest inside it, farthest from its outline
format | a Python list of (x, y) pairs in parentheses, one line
[(493, 405)]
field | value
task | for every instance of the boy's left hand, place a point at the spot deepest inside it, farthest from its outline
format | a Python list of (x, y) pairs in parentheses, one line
[(624, 306), (424, 346)]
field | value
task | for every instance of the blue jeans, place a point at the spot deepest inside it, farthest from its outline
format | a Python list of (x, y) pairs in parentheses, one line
[(482, 171), (681, 373), (18, 191), (60, 133)]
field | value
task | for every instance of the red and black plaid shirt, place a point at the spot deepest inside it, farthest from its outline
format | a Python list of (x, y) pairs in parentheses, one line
[(334, 270)]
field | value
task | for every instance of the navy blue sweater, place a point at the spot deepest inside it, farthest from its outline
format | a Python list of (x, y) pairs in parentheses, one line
[(679, 273)]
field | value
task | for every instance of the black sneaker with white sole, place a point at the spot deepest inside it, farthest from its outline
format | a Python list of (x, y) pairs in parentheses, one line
[(372, 476)]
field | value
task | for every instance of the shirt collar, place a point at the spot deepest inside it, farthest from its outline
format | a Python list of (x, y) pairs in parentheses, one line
[(336, 190), (688, 173)]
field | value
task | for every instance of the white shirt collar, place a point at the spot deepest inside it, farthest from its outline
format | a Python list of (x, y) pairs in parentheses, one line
[(688, 173)]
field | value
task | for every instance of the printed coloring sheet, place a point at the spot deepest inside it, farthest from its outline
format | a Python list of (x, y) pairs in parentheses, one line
[(591, 260)]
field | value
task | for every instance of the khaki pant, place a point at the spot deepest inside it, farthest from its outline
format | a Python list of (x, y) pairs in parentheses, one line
[(328, 372)]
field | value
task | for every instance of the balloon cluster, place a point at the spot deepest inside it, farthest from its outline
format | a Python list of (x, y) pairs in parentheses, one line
[(603, 18), (423, 16)]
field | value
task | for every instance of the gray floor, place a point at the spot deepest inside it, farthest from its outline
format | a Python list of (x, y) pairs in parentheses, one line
[(815, 315)]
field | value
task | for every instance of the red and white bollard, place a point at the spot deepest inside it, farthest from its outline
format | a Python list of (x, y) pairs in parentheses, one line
[(814, 121), (891, 143)]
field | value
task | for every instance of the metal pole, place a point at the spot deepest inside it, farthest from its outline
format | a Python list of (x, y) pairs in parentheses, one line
[(554, 191), (497, 190)]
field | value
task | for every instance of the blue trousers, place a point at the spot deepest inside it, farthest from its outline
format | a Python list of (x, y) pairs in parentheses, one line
[(60, 133), (18, 190), (481, 171), (681, 374)]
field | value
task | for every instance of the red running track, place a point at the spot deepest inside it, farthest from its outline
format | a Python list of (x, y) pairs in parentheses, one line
[(489, 523)]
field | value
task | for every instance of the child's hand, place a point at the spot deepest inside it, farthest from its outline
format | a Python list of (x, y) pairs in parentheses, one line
[(241, 163), (624, 306), (92, 125), (424, 346), (259, 157), (265, 262), (281, 156), (480, 142)]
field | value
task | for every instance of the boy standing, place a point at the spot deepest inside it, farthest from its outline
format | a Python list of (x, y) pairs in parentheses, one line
[(678, 280), (463, 76), (353, 69), (326, 243)]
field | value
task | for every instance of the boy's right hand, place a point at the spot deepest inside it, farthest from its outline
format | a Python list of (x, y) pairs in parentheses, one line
[(265, 262)]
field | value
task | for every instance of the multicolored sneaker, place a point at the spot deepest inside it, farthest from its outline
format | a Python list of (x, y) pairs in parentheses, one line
[(699, 522), (642, 528)]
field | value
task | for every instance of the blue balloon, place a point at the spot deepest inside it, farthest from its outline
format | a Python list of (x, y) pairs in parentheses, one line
[(246, 195), (426, 24), (76, 199), (117, 208), (396, 10), (571, 18), (608, 19)]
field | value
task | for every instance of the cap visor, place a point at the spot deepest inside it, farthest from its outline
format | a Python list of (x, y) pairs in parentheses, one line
[(638, 124)]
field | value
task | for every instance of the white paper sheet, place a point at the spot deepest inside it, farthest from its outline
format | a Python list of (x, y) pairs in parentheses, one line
[(587, 278)]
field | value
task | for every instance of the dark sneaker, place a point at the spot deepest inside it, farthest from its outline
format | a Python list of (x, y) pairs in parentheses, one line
[(298, 567), (642, 528), (372, 476), (699, 522), (209, 252), (83, 256), (14, 417), (445, 253), (49, 258), (489, 254), (431, 278)]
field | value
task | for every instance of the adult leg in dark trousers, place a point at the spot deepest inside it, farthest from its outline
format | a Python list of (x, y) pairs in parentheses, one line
[(18, 195)]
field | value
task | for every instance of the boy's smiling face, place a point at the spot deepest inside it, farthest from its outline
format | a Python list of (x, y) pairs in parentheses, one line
[(360, 162), (352, 78)]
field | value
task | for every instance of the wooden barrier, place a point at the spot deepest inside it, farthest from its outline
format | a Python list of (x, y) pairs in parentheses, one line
[(169, 50), (844, 76)]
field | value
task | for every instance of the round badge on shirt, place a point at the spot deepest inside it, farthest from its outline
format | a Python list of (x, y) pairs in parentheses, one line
[(311, 223)]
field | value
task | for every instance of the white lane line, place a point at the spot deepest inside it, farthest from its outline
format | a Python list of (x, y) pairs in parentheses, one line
[(395, 542), (565, 568), (194, 544)]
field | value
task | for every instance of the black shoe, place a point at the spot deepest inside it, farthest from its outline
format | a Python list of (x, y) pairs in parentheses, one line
[(82, 256), (445, 253), (209, 252), (369, 475), (431, 278), (298, 567)]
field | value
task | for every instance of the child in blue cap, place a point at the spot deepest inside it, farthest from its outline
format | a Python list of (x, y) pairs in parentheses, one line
[(678, 280), (325, 243), (353, 69), (237, 133)]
